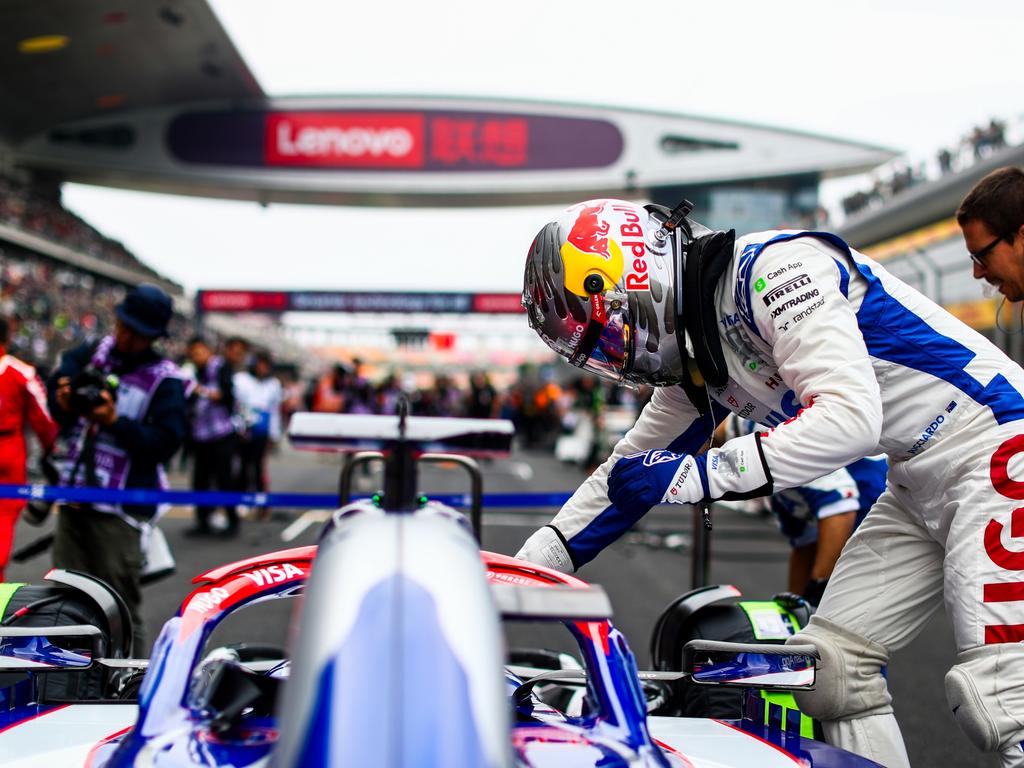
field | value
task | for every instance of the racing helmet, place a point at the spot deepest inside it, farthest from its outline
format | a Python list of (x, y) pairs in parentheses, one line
[(600, 290)]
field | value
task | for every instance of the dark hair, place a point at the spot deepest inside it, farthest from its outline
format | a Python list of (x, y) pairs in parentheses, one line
[(5, 330), (231, 340), (197, 340), (997, 201)]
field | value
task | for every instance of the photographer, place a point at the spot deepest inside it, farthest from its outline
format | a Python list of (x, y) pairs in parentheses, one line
[(121, 407)]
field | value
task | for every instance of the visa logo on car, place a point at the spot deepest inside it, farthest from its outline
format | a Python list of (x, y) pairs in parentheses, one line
[(273, 574)]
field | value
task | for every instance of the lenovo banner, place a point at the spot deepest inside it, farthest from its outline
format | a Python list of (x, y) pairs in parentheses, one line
[(352, 301), (393, 141), (345, 140)]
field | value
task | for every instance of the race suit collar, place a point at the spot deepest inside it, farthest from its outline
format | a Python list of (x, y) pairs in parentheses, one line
[(707, 259)]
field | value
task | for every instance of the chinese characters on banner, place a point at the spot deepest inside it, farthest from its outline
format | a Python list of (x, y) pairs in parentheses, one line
[(397, 140), (500, 142)]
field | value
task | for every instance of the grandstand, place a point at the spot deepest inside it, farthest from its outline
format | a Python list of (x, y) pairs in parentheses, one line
[(916, 236), (60, 279)]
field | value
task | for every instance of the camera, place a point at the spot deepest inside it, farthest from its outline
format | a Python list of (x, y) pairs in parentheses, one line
[(87, 390)]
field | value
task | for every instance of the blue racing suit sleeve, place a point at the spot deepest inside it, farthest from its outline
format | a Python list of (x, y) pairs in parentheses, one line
[(589, 522)]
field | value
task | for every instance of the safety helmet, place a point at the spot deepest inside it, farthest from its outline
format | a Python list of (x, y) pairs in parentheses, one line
[(599, 289)]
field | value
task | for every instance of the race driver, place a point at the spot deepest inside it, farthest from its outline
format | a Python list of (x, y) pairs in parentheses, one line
[(796, 331)]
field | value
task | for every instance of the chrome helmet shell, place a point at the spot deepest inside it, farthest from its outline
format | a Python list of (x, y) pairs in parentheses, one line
[(599, 289)]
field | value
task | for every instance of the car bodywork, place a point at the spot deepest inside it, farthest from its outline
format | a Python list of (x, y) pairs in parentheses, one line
[(397, 660)]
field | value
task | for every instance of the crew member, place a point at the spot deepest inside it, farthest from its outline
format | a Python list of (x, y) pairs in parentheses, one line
[(22, 399), (992, 219), (214, 434), (797, 331)]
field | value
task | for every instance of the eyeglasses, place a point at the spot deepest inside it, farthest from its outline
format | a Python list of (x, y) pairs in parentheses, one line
[(980, 255)]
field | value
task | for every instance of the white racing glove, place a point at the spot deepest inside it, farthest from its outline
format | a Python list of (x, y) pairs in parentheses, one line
[(545, 547)]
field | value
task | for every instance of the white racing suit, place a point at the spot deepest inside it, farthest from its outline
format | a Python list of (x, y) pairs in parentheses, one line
[(846, 361)]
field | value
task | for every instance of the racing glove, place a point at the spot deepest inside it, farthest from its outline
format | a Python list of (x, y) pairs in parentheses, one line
[(547, 547), (737, 470)]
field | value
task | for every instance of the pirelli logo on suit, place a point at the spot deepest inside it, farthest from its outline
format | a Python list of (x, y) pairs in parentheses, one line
[(786, 288)]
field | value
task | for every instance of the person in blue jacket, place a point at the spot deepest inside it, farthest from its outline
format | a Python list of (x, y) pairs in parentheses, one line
[(820, 516)]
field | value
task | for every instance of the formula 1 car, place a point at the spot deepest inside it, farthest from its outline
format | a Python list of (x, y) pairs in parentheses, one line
[(397, 655)]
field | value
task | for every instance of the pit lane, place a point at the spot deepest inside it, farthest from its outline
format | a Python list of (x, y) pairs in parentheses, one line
[(641, 575)]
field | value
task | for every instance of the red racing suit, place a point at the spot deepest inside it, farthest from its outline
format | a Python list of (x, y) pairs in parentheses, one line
[(22, 398)]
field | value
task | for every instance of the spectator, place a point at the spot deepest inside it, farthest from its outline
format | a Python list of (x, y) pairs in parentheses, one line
[(945, 158), (121, 408), (214, 438)]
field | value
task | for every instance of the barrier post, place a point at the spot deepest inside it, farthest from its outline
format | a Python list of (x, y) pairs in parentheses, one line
[(700, 560)]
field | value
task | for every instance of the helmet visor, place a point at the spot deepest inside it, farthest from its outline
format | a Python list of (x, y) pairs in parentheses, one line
[(606, 348)]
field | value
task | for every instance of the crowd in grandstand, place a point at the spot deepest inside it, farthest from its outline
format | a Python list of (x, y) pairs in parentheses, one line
[(30, 210), (976, 145), (52, 307)]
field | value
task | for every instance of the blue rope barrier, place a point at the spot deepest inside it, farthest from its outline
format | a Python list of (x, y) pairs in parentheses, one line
[(149, 497)]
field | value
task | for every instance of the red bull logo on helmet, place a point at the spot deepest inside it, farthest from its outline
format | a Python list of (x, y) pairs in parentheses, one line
[(591, 248)]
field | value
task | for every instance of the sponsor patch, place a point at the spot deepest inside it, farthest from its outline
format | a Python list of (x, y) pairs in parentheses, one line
[(783, 270), (795, 301), (929, 432), (807, 311), (681, 480), (793, 285), (739, 343), (659, 457)]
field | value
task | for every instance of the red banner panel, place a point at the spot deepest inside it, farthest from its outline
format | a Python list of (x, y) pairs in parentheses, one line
[(498, 303), (243, 301), (442, 341), (345, 139)]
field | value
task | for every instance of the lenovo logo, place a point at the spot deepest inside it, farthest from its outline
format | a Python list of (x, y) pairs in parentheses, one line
[(345, 139)]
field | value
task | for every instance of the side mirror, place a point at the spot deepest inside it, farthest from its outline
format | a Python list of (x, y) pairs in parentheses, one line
[(750, 665), (41, 649), (553, 603)]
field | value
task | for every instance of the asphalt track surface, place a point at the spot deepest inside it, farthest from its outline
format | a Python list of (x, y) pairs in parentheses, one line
[(641, 574)]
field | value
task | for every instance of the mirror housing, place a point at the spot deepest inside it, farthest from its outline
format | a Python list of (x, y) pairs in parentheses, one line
[(46, 649), (553, 603), (750, 665)]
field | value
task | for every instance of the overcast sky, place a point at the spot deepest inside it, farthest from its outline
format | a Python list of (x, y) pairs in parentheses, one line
[(909, 75)]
